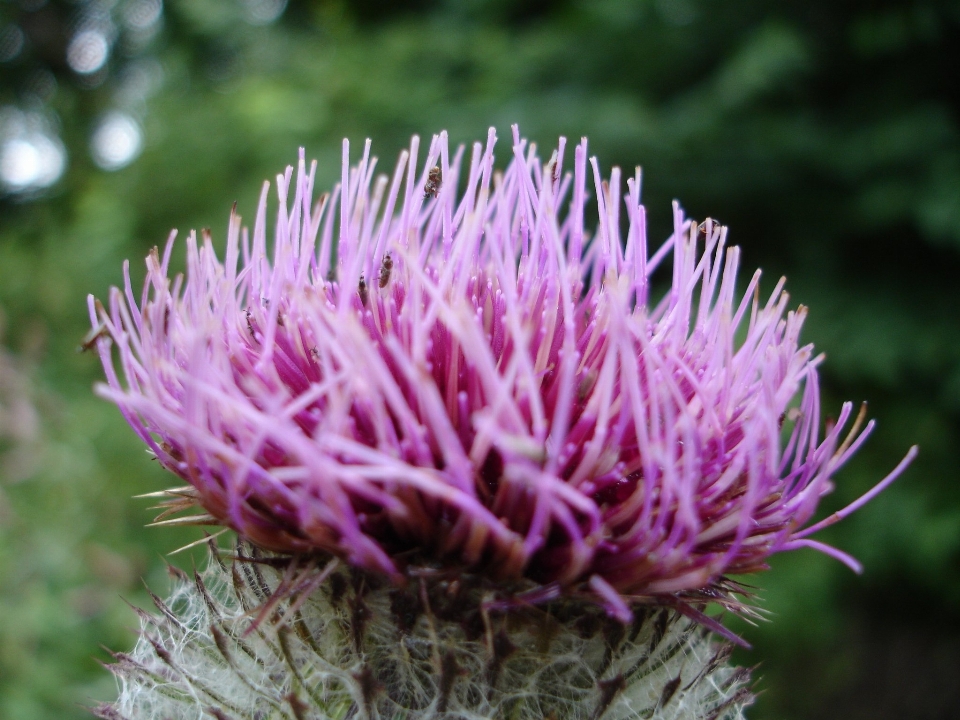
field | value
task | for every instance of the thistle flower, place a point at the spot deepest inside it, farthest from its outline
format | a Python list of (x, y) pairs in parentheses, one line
[(447, 372), (482, 470)]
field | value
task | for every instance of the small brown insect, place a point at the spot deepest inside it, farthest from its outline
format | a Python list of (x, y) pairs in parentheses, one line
[(586, 386), (386, 267), (434, 181), (362, 290), (708, 224), (90, 339), (552, 168), (791, 415)]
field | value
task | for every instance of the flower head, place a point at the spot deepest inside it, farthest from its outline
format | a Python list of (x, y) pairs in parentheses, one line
[(446, 369)]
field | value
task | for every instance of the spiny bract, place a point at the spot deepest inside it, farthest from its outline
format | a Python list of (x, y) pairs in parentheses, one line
[(344, 645)]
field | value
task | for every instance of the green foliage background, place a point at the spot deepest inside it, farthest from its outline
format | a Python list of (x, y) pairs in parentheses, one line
[(825, 134)]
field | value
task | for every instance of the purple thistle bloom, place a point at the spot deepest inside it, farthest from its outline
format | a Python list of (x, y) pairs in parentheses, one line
[(472, 380)]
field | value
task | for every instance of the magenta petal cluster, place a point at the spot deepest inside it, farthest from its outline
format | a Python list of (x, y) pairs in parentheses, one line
[(445, 367)]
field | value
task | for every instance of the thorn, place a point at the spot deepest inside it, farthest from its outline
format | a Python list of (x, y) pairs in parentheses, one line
[(186, 491), (205, 539), (204, 519)]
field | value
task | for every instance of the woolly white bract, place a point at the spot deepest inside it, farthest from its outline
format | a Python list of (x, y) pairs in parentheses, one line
[(340, 647)]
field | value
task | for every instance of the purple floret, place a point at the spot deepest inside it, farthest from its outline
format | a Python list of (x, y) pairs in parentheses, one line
[(423, 371)]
